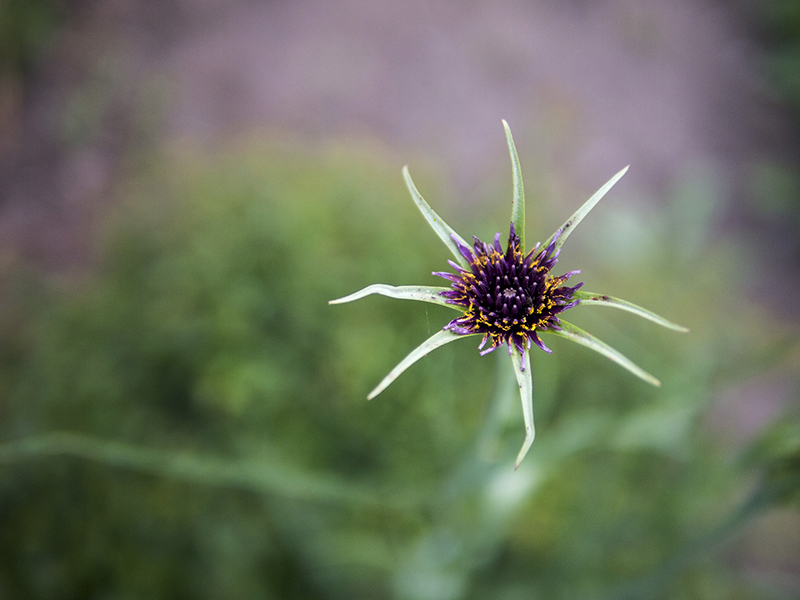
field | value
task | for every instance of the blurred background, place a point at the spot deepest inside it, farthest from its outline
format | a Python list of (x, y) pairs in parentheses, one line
[(184, 184)]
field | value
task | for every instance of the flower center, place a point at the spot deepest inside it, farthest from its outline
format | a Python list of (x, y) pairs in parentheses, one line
[(508, 296)]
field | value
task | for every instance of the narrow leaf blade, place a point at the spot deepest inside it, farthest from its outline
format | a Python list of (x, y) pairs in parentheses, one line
[(576, 218), (422, 293), (442, 229), (603, 300), (518, 201), (522, 369), (578, 335), (440, 338)]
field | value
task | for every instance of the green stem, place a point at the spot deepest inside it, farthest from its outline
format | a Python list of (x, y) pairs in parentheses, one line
[(261, 477)]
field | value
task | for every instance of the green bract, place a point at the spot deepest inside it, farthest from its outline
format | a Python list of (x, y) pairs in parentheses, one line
[(510, 297)]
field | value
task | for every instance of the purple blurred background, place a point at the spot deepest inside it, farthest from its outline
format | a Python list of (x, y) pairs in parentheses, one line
[(588, 87)]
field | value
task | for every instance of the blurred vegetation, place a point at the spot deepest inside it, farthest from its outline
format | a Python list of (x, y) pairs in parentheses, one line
[(780, 30), (189, 420), (26, 27), (775, 185)]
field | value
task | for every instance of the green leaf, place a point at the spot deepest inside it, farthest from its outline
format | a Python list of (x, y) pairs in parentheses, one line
[(518, 201), (576, 334), (403, 292), (570, 223), (522, 369), (442, 229), (437, 339), (602, 300)]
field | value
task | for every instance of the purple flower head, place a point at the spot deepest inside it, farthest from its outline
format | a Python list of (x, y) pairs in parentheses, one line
[(508, 296)]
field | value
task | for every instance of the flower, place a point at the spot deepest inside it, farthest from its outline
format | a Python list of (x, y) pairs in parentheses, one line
[(508, 298)]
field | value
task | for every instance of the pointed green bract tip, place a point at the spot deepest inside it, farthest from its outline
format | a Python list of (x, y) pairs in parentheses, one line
[(522, 370), (438, 339), (518, 197), (578, 335), (529, 437), (446, 233), (590, 298), (569, 225)]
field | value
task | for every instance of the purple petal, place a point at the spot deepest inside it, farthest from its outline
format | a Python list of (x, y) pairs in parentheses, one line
[(483, 341), (465, 252), (571, 304), (448, 276), (552, 243), (535, 339), (456, 267), (456, 328)]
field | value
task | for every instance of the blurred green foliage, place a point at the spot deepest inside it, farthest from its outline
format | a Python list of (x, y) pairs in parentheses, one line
[(219, 443), (26, 26), (774, 184), (781, 33)]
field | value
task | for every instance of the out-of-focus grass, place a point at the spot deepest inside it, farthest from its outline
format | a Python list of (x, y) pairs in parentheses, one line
[(221, 444)]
